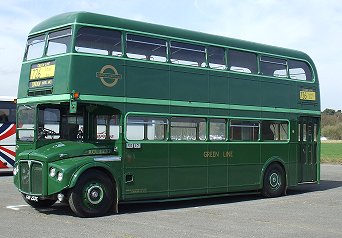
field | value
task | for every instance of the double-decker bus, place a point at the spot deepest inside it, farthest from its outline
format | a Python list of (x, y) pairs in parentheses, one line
[(7, 133), (116, 111)]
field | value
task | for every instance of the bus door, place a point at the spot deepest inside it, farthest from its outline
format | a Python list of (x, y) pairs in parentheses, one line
[(308, 149)]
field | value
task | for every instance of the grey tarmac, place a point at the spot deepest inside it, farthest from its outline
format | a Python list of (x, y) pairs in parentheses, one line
[(307, 211)]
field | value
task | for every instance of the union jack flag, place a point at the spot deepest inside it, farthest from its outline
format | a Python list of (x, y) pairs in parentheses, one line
[(7, 145)]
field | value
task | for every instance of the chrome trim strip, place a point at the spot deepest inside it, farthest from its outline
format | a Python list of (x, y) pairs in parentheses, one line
[(108, 158)]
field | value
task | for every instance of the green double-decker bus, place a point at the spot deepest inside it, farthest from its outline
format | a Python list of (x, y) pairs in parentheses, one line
[(113, 111)]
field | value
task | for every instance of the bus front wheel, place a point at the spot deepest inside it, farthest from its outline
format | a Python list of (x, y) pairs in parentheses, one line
[(93, 194), (274, 181)]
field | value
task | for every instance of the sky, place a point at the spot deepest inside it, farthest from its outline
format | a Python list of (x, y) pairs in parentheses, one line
[(311, 26)]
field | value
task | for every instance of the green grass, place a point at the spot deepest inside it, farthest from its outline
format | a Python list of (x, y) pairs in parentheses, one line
[(331, 152)]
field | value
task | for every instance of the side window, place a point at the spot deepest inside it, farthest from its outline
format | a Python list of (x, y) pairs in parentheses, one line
[(146, 128), (274, 67), (58, 42), (107, 127), (7, 112), (216, 57), (274, 131), (241, 61), (147, 48), (98, 41), (35, 47), (187, 54), (188, 129), (299, 70), (244, 130), (217, 129)]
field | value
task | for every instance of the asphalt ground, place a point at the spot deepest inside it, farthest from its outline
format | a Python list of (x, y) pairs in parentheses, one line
[(307, 211)]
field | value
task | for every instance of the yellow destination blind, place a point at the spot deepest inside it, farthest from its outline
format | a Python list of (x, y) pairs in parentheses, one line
[(307, 95), (42, 70)]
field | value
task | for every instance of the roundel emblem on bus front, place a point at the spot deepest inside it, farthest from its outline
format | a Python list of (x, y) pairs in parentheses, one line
[(109, 75)]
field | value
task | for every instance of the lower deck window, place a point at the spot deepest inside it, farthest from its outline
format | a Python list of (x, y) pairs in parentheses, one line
[(274, 131), (244, 130), (217, 129), (146, 128), (188, 129)]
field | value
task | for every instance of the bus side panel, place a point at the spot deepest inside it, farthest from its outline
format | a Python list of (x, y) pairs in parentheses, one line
[(146, 171), (218, 88), (275, 151), (292, 176), (185, 84), (244, 167), (142, 79), (277, 94), (217, 157), (188, 169), (244, 90)]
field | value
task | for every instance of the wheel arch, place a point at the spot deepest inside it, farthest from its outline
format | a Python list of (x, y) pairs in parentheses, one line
[(103, 169)]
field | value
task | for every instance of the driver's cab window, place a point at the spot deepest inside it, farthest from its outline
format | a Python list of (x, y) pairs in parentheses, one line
[(72, 127), (107, 127), (49, 123)]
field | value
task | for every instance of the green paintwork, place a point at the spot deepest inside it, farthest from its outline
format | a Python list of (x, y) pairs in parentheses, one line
[(170, 169)]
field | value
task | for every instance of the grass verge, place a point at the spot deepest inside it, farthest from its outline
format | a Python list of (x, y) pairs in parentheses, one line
[(331, 152)]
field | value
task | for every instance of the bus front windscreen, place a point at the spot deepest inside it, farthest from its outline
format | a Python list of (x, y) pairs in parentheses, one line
[(89, 123), (57, 123)]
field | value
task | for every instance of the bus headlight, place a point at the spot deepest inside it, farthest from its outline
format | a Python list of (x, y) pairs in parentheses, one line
[(15, 170), (59, 176), (52, 172)]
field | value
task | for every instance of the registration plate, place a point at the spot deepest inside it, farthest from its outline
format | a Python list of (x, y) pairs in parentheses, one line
[(42, 70), (32, 198)]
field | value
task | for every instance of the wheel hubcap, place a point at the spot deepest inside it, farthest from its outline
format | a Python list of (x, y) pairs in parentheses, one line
[(275, 181), (95, 194)]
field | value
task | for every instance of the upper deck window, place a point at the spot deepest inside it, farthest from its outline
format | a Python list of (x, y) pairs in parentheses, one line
[(299, 70), (240, 61), (58, 42), (216, 57), (35, 47), (270, 66), (187, 54), (98, 41), (142, 47)]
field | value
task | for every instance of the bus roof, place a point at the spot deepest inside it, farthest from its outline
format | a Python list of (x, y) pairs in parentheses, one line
[(110, 21), (7, 98)]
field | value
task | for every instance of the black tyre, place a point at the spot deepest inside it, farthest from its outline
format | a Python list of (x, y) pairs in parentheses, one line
[(40, 203), (274, 181), (93, 194)]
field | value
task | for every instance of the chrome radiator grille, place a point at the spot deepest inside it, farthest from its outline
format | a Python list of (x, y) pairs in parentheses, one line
[(31, 177)]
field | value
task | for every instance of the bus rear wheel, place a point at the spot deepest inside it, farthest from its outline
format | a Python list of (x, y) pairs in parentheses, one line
[(39, 204), (93, 195), (274, 181)]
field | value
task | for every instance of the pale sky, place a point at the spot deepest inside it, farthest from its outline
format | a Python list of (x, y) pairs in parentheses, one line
[(311, 26)]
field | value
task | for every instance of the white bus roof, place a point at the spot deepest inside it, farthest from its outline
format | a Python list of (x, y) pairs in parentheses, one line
[(7, 98)]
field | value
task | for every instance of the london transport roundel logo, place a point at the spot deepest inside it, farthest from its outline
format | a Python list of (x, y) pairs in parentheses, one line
[(109, 75)]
